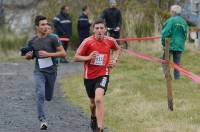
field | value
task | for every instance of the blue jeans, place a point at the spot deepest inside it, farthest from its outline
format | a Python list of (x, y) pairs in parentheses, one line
[(176, 60), (44, 83)]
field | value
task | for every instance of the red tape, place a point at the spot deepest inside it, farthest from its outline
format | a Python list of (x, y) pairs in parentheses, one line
[(182, 70), (64, 39), (144, 56), (144, 38), (186, 73)]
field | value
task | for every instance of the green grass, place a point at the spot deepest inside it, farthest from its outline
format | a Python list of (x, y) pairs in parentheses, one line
[(136, 99)]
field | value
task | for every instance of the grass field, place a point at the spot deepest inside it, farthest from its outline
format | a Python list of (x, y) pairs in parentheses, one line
[(136, 99)]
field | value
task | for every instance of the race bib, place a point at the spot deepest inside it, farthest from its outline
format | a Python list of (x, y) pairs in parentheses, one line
[(45, 62), (99, 60)]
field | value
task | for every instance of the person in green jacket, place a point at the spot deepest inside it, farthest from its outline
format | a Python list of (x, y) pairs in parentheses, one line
[(176, 29)]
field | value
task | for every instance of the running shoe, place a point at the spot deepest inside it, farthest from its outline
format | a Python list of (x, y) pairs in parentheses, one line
[(93, 123), (43, 125)]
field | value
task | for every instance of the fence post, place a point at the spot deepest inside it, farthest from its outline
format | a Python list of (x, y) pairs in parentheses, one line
[(168, 75)]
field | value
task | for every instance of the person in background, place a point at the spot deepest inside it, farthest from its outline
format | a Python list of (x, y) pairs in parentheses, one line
[(63, 26), (50, 31), (44, 49), (95, 51), (113, 19), (176, 29), (83, 24)]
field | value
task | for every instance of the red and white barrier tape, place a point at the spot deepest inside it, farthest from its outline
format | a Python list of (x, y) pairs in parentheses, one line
[(124, 39), (144, 56), (64, 39), (144, 38), (186, 73), (182, 70)]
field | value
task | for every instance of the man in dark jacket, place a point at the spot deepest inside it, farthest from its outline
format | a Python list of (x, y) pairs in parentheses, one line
[(84, 24), (113, 19), (63, 24)]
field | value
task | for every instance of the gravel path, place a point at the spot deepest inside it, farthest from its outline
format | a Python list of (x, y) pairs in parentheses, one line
[(18, 106)]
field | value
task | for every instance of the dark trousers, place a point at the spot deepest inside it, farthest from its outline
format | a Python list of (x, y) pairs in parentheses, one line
[(176, 59)]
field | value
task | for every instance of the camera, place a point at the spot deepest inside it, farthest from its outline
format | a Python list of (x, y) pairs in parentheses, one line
[(25, 50)]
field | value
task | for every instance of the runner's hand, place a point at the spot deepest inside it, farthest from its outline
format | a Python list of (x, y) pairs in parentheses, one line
[(29, 55), (92, 55)]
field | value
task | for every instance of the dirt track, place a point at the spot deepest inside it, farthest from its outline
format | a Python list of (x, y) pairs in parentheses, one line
[(18, 106)]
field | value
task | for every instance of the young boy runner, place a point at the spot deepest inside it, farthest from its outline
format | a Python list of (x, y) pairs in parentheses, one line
[(44, 48), (94, 51)]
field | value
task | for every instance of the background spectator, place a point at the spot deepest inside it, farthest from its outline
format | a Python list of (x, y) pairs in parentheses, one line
[(175, 28), (63, 26), (113, 19), (84, 24)]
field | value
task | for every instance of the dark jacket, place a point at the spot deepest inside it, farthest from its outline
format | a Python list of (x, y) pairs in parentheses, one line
[(112, 17), (83, 26), (63, 25)]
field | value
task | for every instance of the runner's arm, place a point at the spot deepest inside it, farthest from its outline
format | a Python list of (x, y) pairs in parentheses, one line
[(115, 57), (59, 53), (116, 50), (80, 58), (116, 54)]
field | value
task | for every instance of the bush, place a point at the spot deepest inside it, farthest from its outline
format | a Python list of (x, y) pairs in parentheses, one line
[(10, 41), (143, 28)]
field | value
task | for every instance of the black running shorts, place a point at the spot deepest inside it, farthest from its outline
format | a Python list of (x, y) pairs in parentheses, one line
[(92, 84)]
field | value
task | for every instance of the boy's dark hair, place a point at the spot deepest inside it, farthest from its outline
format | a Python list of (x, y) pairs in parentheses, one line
[(38, 19), (84, 8), (51, 25), (99, 21)]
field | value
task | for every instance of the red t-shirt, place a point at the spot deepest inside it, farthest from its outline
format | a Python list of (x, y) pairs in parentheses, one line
[(98, 66)]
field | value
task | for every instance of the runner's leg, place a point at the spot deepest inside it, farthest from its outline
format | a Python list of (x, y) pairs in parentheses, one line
[(99, 93), (49, 85), (90, 89), (93, 121), (40, 94), (92, 107)]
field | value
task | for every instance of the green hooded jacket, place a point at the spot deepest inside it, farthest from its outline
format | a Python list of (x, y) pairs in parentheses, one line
[(176, 29)]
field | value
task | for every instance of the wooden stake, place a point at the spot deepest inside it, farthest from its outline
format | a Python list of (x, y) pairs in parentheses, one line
[(168, 75)]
